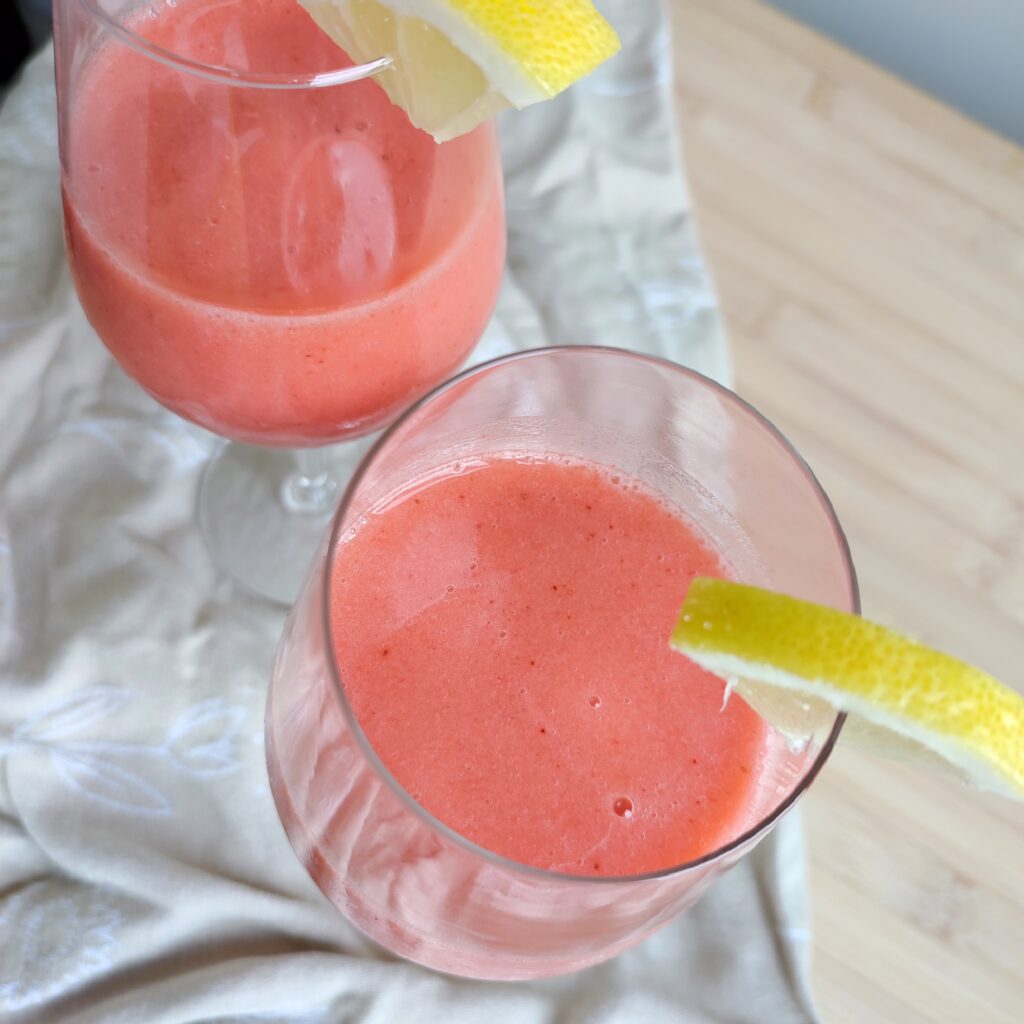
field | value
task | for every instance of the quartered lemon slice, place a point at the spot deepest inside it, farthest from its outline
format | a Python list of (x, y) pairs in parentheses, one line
[(792, 660), (456, 63)]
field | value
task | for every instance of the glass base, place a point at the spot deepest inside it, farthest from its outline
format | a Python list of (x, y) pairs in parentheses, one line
[(263, 511)]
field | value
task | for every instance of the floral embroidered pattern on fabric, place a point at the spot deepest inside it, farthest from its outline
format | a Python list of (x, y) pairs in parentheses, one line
[(65, 936), (202, 741)]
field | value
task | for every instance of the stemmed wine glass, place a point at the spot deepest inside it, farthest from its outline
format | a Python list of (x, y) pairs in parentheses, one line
[(267, 246)]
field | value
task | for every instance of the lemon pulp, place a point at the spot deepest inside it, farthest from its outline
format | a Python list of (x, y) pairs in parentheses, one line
[(795, 661)]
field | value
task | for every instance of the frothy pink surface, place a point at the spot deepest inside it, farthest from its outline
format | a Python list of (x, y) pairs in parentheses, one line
[(502, 636), (281, 267)]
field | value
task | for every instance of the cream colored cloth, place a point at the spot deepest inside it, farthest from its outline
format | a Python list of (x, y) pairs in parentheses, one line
[(144, 877)]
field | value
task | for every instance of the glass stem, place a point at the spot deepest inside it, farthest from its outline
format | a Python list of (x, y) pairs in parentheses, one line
[(310, 487)]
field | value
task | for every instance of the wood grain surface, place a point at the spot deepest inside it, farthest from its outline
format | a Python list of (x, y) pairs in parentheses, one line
[(868, 246)]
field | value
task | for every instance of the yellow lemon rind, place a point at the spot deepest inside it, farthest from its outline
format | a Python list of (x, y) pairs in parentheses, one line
[(521, 74), (894, 685), (456, 63)]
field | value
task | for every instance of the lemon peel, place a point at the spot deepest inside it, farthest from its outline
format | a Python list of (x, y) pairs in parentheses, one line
[(794, 661), (456, 63)]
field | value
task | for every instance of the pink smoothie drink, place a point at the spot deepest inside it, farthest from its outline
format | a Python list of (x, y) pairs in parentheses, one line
[(281, 267), (501, 635)]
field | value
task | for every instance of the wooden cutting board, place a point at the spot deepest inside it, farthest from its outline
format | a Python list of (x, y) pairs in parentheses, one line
[(868, 245)]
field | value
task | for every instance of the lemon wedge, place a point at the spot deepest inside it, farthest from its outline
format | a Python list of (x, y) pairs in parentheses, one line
[(794, 661), (456, 63)]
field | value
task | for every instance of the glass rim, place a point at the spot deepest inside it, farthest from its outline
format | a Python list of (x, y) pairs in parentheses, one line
[(226, 75), (756, 831)]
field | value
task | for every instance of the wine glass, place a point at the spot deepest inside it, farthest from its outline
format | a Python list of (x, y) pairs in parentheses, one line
[(380, 847), (267, 246)]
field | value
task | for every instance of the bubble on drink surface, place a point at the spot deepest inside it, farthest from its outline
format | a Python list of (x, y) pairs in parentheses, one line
[(623, 807), (595, 702)]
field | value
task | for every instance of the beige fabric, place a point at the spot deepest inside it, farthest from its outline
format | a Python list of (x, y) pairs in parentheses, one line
[(143, 874)]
